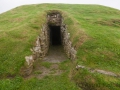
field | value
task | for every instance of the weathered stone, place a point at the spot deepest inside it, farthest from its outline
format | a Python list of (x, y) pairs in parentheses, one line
[(79, 66), (73, 53), (38, 42), (34, 56), (70, 51), (98, 71), (54, 19), (106, 72), (29, 60)]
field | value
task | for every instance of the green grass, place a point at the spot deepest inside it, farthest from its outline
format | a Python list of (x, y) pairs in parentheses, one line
[(60, 82), (14, 84), (94, 29), (37, 72), (95, 81), (46, 64), (48, 83)]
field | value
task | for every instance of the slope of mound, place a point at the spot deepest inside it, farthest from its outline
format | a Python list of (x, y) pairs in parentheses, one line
[(94, 30)]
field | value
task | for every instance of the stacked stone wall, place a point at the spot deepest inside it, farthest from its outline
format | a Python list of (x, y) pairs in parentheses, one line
[(39, 50), (67, 44)]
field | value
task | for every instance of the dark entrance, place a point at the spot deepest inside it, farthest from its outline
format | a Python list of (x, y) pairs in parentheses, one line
[(55, 35)]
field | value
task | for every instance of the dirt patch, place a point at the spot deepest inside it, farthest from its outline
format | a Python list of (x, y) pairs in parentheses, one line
[(42, 71), (84, 58), (50, 64), (55, 55), (109, 54), (7, 76), (25, 71)]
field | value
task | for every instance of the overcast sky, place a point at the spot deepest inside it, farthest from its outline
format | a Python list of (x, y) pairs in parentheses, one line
[(6, 5)]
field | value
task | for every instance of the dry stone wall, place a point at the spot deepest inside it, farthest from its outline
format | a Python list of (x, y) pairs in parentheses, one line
[(54, 19), (40, 48), (67, 44)]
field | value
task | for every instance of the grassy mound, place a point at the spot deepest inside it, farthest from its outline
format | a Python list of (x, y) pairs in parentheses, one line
[(94, 30)]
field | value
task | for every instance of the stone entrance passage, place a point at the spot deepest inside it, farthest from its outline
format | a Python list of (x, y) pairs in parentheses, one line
[(53, 33), (58, 34), (56, 52), (53, 42)]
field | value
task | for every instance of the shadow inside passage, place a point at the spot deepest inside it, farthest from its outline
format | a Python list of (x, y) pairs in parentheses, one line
[(55, 35)]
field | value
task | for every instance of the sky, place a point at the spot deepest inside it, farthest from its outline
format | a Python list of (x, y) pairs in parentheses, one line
[(6, 5)]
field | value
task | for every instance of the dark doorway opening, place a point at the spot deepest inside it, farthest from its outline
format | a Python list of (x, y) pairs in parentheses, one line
[(55, 35)]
